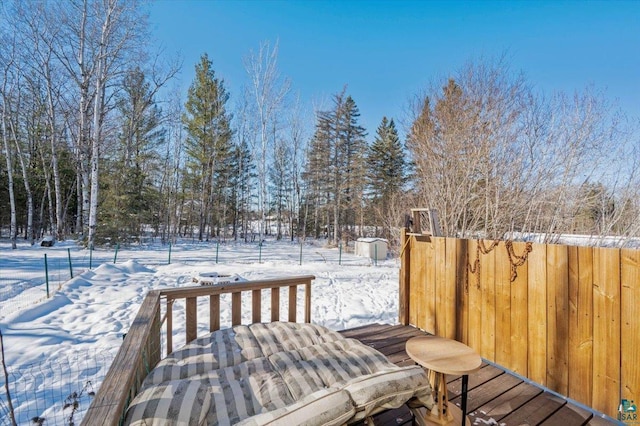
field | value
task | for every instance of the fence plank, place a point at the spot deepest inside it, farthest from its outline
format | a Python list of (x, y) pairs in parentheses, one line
[(557, 318), (429, 307), (503, 306), (537, 299), (519, 314), (580, 324), (488, 287), (451, 272), (417, 282), (630, 299), (440, 285), (475, 299), (462, 293), (606, 330)]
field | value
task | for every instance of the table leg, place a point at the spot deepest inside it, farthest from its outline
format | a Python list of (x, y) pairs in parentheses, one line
[(465, 386)]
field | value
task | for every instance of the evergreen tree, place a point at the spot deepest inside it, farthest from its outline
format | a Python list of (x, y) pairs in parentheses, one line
[(351, 171), (129, 194), (335, 172), (241, 179), (208, 145), (388, 170)]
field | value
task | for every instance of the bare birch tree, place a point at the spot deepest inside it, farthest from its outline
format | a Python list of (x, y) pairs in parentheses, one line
[(268, 90)]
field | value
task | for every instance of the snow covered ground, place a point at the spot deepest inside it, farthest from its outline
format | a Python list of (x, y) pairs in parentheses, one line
[(57, 350)]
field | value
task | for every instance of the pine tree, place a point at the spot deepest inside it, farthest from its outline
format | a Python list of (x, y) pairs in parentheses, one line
[(242, 177), (129, 197), (335, 170), (351, 170), (208, 145), (388, 170)]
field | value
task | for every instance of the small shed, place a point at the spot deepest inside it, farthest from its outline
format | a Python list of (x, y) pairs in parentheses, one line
[(374, 248)]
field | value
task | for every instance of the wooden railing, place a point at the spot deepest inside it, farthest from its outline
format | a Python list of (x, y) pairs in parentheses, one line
[(141, 348), (565, 317)]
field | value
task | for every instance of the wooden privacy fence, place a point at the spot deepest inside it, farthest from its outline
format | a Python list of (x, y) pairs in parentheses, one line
[(566, 317)]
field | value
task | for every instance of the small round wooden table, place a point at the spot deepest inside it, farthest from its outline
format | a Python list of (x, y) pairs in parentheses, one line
[(443, 356)]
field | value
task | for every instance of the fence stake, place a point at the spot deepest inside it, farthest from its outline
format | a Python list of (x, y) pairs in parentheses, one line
[(340, 254), (260, 252), (115, 256), (90, 255), (46, 273), (169, 252), (217, 248), (300, 252), (375, 254), (70, 266)]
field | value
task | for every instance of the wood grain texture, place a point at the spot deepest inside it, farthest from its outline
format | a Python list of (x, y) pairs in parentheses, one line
[(440, 286), (488, 290), (630, 319), (557, 318), (519, 315), (537, 307), (474, 332), (606, 330), (581, 324), (503, 307)]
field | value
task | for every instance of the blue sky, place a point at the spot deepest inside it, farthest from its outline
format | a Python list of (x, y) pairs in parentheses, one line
[(388, 51)]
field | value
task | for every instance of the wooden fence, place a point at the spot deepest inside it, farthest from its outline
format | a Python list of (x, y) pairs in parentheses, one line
[(566, 317)]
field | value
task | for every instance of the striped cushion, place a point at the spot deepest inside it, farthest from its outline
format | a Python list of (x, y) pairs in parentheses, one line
[(231, 346), (243, 391), (180, 402), (220, 349), (325, 407), (388, 389), (278, 373)]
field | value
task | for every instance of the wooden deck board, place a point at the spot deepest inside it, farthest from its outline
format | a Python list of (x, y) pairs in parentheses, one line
[(569, 415), (495, 396)]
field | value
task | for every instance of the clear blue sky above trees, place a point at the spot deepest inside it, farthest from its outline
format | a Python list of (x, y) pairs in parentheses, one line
[(388, 51)]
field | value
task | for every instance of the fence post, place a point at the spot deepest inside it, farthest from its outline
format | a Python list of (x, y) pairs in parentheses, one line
[(375, 254), (70, 266), (46, 273), (90, 256), (115, 256), (217, 249), (300, 252), (260, 252), (169, 252), (340, 254), (405, 273)]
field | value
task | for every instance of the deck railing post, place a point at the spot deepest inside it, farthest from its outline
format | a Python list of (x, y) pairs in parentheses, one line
[(307, 302)]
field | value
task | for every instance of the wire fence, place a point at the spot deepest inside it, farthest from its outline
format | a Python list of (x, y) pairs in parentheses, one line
[(54, 393), (59, 393), (31, 276)]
